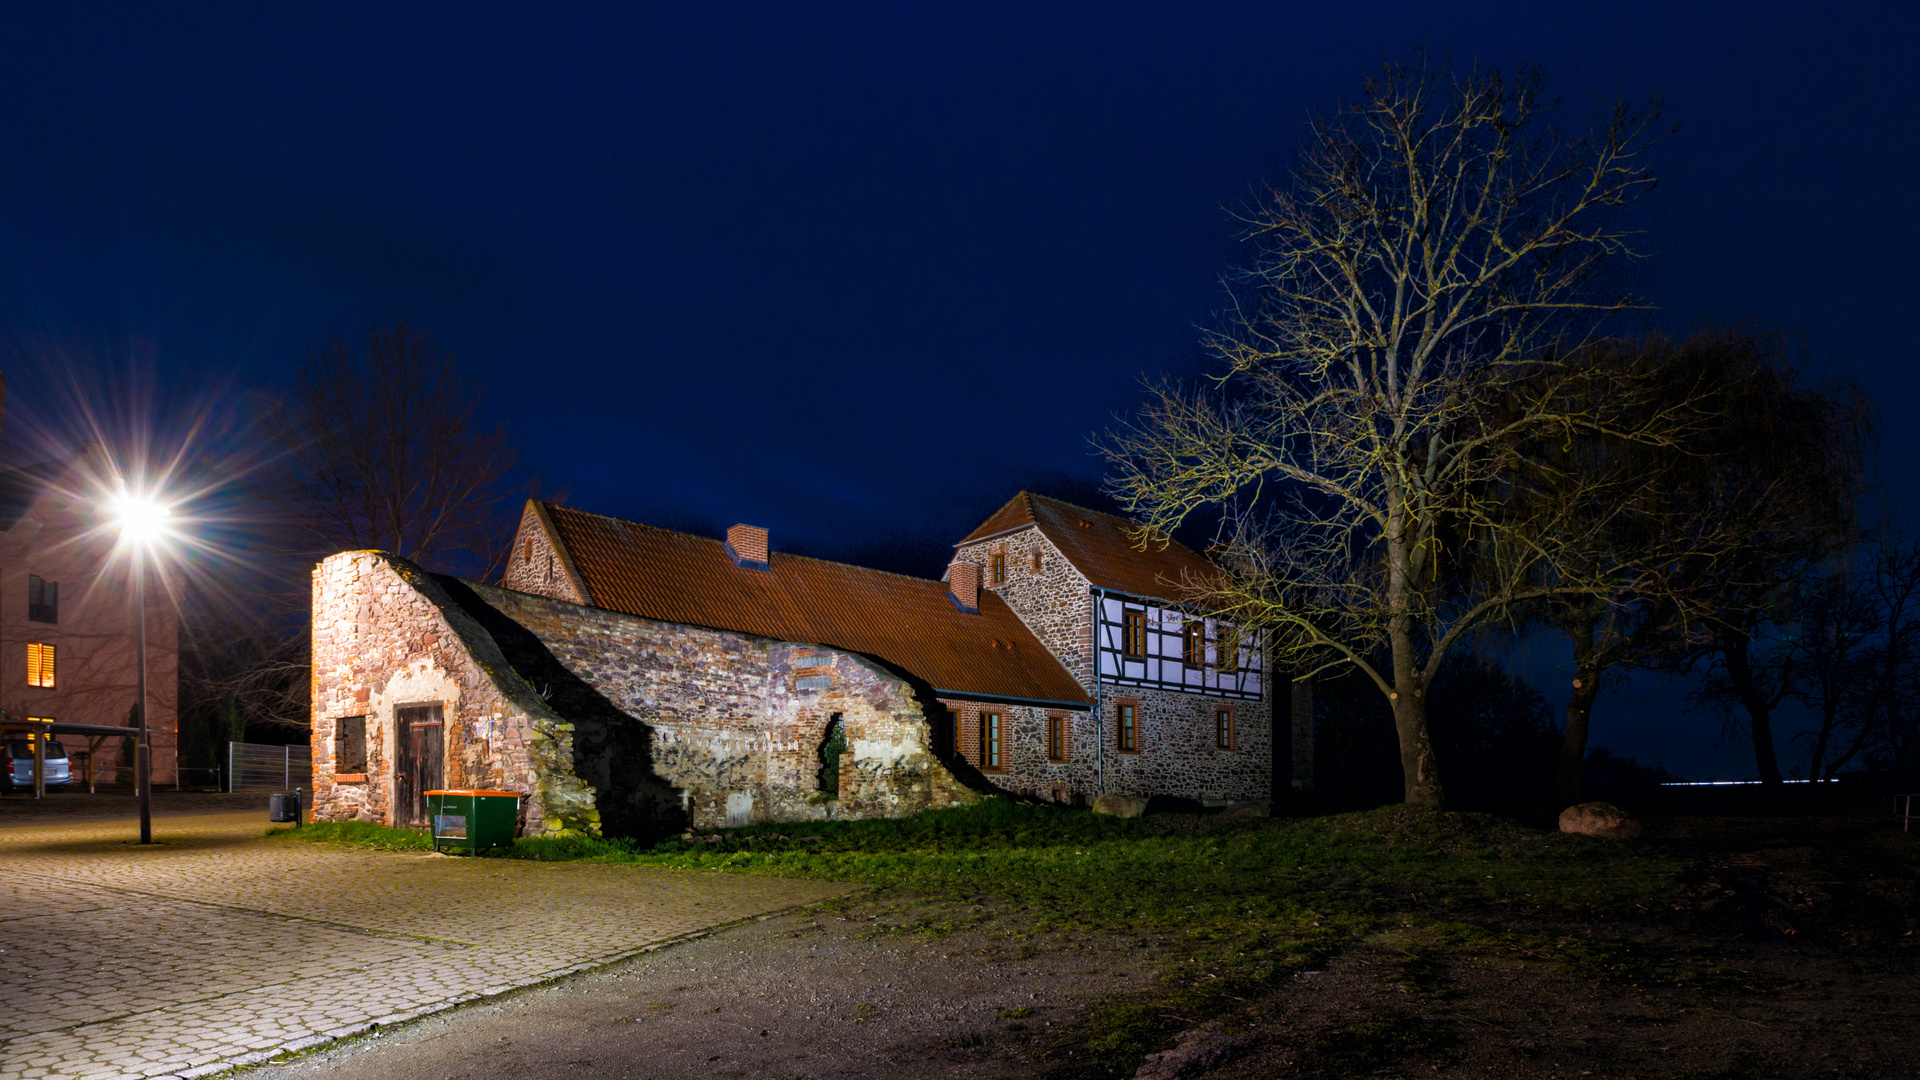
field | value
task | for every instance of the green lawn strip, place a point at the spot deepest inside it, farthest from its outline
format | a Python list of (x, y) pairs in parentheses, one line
[(1237, 904)]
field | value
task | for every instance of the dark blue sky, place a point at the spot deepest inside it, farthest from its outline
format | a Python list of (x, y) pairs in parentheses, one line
[(858, 273)]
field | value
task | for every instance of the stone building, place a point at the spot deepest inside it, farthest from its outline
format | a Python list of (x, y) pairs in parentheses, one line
[(635, 680), (1180, 702), (67, 618)]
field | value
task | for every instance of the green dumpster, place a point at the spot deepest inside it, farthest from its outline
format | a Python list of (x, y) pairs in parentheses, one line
[(470, 822)]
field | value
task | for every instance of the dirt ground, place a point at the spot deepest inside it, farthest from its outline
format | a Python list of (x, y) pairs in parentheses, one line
[(817, 994), (835, 993)]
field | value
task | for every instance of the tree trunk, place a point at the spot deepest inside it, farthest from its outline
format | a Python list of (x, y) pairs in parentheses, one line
[(1759, 713), (1418, 768), (1573, 745)]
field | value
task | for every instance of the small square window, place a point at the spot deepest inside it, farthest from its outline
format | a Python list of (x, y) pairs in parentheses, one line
[(1033, 565), (40, 665), (350, 745), (43, 599)]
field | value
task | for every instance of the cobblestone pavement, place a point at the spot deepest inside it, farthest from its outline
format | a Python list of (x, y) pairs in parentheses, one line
[(217, 948)]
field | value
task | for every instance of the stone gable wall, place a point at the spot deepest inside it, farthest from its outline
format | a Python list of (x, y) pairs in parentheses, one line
[(1052, 601), (386, 635), (534, 564)]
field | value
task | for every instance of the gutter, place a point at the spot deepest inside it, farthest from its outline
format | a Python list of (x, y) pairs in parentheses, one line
[(1001, 699)]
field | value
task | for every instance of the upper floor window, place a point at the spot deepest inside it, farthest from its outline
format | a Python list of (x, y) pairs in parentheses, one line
[(999, 567), (1033, 565), (39, 665), (43, 599), (1195, 640), (990, 740), (1229, 649), (1127, 728), (1133, 634)]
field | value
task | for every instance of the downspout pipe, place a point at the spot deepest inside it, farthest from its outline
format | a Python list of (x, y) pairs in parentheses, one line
[(1099, 714)]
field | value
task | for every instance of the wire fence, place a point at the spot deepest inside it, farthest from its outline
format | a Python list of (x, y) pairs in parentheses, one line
[(253, 767)]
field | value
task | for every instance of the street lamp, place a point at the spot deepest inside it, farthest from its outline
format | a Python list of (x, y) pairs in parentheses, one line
[(143, 524)]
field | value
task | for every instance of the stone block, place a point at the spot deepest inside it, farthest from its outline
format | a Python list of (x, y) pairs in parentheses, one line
[(1124, 806), (1599, 819)]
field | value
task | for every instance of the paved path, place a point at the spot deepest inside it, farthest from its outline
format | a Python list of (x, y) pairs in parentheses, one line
[(216, 947)]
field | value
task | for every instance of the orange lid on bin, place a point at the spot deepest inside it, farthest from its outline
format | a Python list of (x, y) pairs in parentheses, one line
[(464, 791)]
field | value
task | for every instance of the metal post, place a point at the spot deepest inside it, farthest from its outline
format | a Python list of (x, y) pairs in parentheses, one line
[(1099, 717), (39, 738), (142, 753)]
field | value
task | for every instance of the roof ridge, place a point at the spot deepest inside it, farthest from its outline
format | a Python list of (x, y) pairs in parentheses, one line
[(1083, 509), (719, 542)]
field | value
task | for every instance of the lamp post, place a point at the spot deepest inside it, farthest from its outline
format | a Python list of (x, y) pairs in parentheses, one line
[(142, 522)]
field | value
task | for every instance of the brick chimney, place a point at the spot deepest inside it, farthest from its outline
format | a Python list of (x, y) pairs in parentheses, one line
[(963, 585), (747, 546)]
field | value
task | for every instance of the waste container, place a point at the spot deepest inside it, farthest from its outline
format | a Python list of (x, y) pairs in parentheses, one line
[(284, 807), (470, 822)]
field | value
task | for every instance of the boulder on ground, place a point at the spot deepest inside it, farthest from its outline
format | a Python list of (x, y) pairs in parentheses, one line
[(1598, 819), (1120, 805), (1248, 808)]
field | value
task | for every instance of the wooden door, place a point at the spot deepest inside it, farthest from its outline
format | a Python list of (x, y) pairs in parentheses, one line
[(421, 762)]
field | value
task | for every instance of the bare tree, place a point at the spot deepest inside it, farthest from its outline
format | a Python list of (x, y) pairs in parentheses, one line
[(1752, 462), (380, 448), (1437, 238), (386, 451), (1785, 481)]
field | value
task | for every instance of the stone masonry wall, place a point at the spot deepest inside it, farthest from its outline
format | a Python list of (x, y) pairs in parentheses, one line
[(728, 725), (1025, 768), (1177, 755), (385, 635)]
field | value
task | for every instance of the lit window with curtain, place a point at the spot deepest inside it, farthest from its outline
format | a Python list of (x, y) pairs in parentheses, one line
[(40, 665)]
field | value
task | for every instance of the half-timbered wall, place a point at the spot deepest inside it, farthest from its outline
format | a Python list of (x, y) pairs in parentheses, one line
[(1144, 645)]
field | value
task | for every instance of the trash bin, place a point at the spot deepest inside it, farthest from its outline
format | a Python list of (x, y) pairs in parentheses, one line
[(470, 822), (283, 808)]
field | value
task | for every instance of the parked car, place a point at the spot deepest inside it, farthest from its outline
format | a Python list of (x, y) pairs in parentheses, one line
[(59, 774)]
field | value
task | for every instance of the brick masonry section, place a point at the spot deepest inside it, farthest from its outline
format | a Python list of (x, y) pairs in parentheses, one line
[(641, 726)]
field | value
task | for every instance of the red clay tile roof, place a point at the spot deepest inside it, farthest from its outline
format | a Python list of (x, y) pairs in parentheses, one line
[(1101, 547), (904, 621)]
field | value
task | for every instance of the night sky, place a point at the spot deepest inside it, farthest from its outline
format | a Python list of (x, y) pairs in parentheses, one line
[(858, 274)]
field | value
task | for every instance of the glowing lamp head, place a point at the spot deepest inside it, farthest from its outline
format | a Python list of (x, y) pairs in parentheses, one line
[(141, 520)]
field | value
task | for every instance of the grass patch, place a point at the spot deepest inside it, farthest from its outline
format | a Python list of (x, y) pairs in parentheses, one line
[(358, 833), (1230, 907)]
